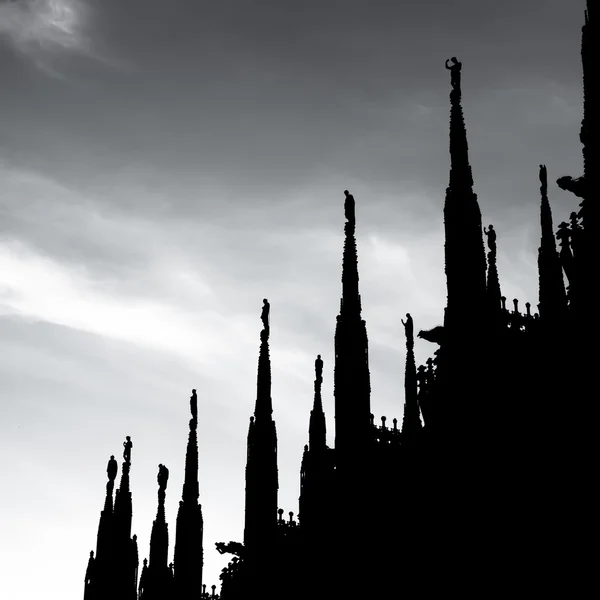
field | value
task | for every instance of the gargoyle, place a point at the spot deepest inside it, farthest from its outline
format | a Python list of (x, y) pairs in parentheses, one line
[(435, 335)]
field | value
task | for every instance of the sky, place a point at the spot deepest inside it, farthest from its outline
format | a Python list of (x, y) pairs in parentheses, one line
[(167, 164)]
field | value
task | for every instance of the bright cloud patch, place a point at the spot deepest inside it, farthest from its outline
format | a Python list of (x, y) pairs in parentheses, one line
[(42, 23), (43, 29)]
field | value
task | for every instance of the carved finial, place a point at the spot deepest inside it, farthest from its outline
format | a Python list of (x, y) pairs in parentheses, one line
[(395, 422), (503, 300), (280, 513), (111, 469), (383, 420), (528, 308), (516, 305), (291, 516), (127, 446)]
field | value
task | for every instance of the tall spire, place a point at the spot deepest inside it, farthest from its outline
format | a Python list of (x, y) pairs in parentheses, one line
[(157, 577), (125, 549), (123, 506), (99, 569), (589, 123), (264, 404), (104, 545), (188, 560), (552, 295), (350, 306), (352, 387), (159, 538), (411, 422), (261, 466), (317, 432), (586, 187), (465, 255)]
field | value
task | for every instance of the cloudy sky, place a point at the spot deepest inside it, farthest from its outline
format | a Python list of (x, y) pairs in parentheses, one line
[(166, 164)]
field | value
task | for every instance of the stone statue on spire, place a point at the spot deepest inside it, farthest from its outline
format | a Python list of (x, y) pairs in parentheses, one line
[(349, 205), (491, 237), (408, 329), (319, 368), (127, 446), (194, 405), (454, 66), (111, 469), (163, 478), (265, 314)]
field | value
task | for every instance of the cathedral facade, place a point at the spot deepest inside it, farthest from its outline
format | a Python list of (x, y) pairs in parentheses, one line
[(487, 484)]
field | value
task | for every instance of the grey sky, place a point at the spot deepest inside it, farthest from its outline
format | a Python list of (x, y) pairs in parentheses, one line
[(166, 165)]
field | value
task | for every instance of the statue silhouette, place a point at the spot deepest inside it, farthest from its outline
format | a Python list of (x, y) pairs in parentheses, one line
[(127, 446), (349, 206), (408, 327), (265, 314), (194, 405), (454, 66), (163, 477), (491, 237), (319, 368), (112, 467)]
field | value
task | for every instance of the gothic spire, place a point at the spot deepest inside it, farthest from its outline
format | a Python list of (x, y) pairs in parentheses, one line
[(317, 428), (191, 491), (264, 404), (465, 255), (123, 506), (105, 527), (552, 295), (159, 538), (352, 387), (261, 465), (589, 123), (156, 580), (586, 187), (188, 559), (350, 306), (411, 422)]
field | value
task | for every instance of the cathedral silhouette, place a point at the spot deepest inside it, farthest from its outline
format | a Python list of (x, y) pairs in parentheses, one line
[(486, 488)]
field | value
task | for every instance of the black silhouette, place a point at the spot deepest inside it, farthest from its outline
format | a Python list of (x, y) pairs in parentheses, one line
[(435, 335), (409, 328), (127, 445), (265, 314), (487, 488), (491, 237)]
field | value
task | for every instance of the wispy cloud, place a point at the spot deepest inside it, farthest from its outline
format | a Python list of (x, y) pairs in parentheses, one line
[(44, 30)]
